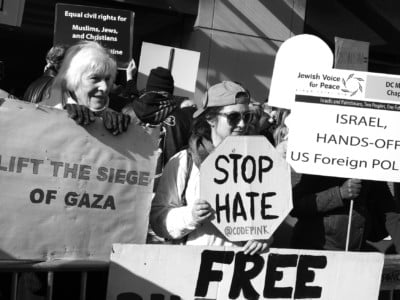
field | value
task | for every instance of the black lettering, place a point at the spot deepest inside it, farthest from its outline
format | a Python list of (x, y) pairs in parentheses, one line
[(252, 195), (111, 177), (120, 176), (73, 171), (97, 199), (238, 208), (84, 172), (36, 163), (264, 169), (110, 203), (56, 165), (132, 177), (102, 174), (241, 277), (265, 206), (71, 198), (219, 208), (235, 158), (144, 178), (206, 273), (51, 195), (253, 169), (36, 196), (305, 275), (217, 167), (21, 163), (272, 275), (84, 201)]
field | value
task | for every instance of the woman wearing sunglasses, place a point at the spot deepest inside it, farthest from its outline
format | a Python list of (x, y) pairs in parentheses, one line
[(178, 214)]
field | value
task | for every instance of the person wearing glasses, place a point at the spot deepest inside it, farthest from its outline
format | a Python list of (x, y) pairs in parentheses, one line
[(178, 214)]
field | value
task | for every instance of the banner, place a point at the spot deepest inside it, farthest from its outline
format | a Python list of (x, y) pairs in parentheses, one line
[(151, 272), (113, 28), (247, 183), (69, 191)]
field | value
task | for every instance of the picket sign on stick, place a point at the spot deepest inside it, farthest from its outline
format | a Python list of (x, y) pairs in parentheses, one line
[(349, 225), (357, 115)]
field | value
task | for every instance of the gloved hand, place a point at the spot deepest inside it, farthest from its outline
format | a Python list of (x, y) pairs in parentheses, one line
[(350, 189), (115, 122), (80, 113)]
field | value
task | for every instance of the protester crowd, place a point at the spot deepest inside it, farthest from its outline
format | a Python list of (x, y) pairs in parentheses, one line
[(81, 80)]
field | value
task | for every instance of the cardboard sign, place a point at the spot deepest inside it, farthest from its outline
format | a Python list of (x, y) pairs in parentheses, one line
[(69, 191), (248, 185), (183, 64), (11, 12), (343, 123), (151, 272), (351, 54), (113, 28)]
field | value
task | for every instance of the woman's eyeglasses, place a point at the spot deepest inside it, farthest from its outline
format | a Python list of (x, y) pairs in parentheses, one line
[(234, 118)]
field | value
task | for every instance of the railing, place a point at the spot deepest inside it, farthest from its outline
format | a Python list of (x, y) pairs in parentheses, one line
[(16, 268)]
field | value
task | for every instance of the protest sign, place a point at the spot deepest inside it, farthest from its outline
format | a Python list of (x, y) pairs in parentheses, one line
[(69, 191), (11, 12), (247, 183), (113, 28), (351, 54), (343, 123), (152, 272), (183, 64)]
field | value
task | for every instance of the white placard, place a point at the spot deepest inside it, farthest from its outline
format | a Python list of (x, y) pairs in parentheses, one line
[(185, 64), (142, 272), (247, 183)]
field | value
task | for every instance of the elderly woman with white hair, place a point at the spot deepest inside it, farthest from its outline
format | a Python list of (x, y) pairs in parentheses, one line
[(84, 82)]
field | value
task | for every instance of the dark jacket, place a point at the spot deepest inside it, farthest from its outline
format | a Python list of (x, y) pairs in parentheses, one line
[(323, 215), (39, 89)]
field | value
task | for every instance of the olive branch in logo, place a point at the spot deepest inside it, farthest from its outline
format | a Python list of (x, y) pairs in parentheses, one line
[(352, 79)]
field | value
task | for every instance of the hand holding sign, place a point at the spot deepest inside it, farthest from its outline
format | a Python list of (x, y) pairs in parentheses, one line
[(201, 211), (350, 189)]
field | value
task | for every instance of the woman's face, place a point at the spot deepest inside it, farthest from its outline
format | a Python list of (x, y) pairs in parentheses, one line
[(93, 90), (231, 120)]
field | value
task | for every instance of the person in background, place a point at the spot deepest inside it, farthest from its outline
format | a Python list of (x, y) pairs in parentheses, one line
[(177, 213), (83, 84), (321, 205), (158, 106), (39, 89)]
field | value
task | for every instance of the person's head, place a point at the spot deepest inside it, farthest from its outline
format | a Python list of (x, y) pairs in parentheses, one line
[(280, 131), (87, 74), (226, 110), (55, 56), (160, 80)]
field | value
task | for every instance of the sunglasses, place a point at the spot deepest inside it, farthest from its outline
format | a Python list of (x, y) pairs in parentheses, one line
[(234, 118)]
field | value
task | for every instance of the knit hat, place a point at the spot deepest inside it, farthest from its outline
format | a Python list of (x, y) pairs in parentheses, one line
[(154, 107), (160, 79), (222, 94)]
